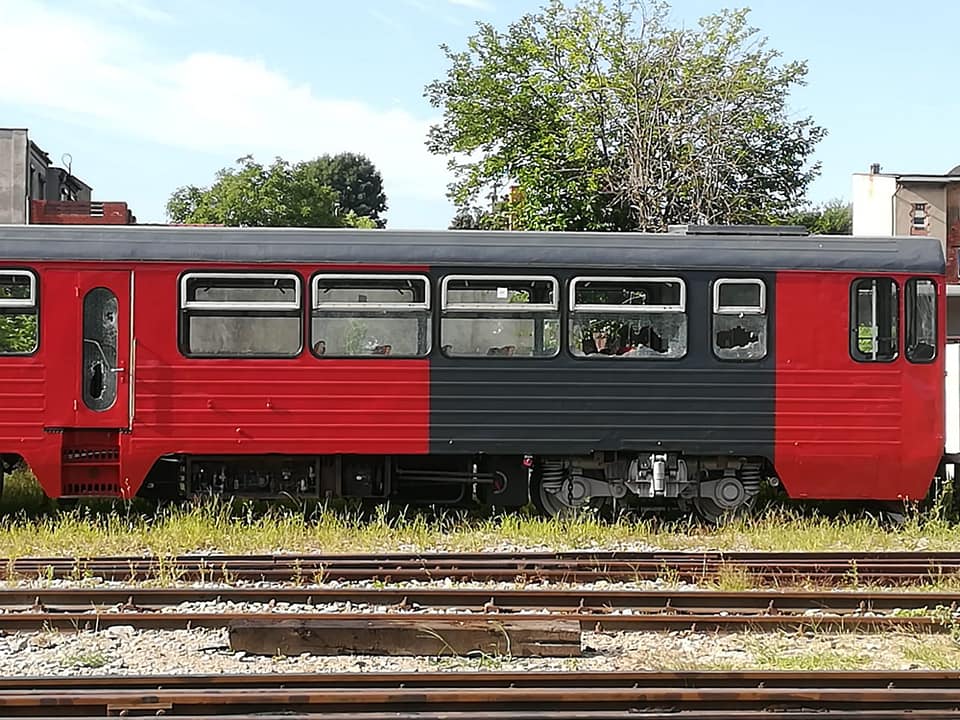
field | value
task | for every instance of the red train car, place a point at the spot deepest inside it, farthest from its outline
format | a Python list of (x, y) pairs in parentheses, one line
[(563, 368)]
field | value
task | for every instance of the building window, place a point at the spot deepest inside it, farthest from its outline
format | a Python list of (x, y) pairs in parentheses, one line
[(920, 317), (873, 315), (739, 319), (628, 317), (370, 315), (244, 315), (918, 217), (19, 332), (500, 316)]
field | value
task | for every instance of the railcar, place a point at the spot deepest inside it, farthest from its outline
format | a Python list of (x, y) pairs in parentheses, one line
[(675, 370)]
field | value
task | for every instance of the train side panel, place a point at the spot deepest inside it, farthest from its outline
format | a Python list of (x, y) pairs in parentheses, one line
[(258, 406), (848, 429)]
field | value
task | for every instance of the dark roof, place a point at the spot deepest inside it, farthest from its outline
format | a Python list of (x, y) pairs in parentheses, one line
[(722, 251)]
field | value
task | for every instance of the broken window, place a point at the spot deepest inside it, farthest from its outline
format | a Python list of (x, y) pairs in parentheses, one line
[(739, 319), (628, 317)]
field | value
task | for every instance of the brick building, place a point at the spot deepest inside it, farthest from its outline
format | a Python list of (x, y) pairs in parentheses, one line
[(34, 190), (914, 204)]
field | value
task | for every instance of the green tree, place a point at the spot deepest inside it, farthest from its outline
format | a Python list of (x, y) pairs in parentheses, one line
[(834, 217), (356, 180), (607, 118), (252, 195)]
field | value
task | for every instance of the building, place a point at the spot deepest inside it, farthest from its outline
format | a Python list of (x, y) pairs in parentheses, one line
[(34, 190), (914, 204)]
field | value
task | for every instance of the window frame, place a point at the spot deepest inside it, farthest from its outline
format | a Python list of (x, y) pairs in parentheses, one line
[(738, 309), (295, 304), (259, 308), (426, 306), (573, 307), (453, 310), (755, 310), (853, 328), (31, 303), (446, 306), (912, 283), (587, 307)]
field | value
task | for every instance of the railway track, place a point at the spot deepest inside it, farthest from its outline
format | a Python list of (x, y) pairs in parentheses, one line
[(469, 696), (175, 608), (895, 568)]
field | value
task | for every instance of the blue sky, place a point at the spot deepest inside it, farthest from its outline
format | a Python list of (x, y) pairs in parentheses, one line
[(147, 95)]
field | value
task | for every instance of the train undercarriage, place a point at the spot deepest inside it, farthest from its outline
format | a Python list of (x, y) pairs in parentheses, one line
[(711, 487)]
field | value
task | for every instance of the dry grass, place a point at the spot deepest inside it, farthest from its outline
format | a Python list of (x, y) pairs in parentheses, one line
[(34, 526)]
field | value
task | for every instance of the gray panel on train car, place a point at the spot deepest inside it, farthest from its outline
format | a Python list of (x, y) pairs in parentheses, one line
[(466, 248)]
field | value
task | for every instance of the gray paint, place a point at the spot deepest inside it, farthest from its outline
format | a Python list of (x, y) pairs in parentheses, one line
[(14, 152), (465, 248), (565, 405)]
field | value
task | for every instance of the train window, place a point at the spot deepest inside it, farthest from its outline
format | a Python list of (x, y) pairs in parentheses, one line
[(629, 317), (500, 316), (920, 317), (19, 332), (100, 330), (873, 320), (240, 315), (370, 315), (739, 319)]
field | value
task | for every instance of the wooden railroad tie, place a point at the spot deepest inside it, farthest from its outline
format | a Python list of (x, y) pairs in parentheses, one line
[(407, 636)]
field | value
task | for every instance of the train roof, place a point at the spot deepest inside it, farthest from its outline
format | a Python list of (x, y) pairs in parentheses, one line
[(717, 249)]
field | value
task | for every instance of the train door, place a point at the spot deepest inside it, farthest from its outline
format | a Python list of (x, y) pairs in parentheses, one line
[(88, 339), (105, 351)]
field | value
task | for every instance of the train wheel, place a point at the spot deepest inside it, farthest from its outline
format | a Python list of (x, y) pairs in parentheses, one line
[(546, 498), (713, 513), (728, 496), (552, 498)]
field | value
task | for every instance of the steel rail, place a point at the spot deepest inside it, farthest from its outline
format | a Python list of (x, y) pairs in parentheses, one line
[(770, 602), (881, 568), (494, 695), (65, 622)]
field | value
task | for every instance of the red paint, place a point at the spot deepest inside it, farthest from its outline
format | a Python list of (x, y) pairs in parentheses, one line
[(846, 429), (303, 405), (50, 212), (843, 429)]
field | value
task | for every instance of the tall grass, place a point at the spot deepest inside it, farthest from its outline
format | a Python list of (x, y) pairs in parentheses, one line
[(31, 524)]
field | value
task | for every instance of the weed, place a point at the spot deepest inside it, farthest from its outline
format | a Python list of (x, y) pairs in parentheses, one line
[(244, 527), (86, 659)]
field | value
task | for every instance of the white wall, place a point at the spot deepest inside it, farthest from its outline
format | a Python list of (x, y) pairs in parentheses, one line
[(873, 204)]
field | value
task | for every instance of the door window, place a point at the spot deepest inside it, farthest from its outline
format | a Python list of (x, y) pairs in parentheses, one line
[(100, 331)]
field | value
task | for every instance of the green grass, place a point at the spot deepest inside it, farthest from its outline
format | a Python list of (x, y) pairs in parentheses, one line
[(86, 659), (31, 524)]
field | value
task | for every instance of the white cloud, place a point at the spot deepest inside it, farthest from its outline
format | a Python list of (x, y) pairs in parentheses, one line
[(205, 101), (141, 9), (472, 4)]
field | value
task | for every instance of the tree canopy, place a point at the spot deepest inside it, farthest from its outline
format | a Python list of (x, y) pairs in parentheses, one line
[(279, 195), (357, 181), (834, 217), (608, 118)]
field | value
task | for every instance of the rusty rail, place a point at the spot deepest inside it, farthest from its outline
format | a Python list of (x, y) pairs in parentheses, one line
[(66, 622), (94, 608), (492, 695), (472, 599), (770, 568)]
